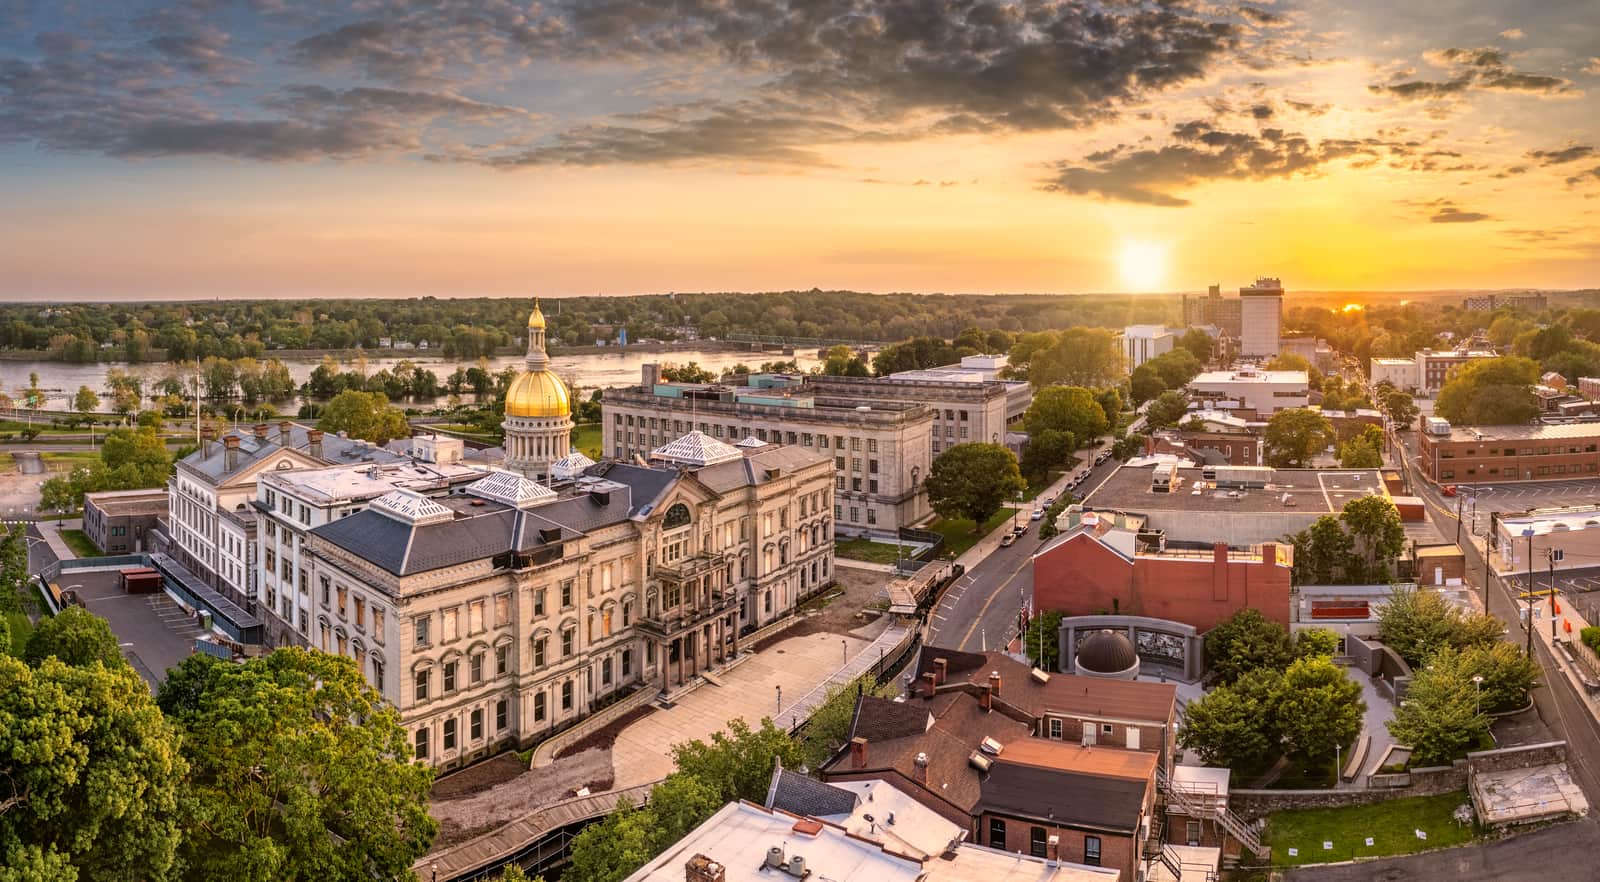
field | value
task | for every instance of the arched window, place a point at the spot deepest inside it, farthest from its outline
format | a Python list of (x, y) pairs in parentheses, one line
[(677, 516)]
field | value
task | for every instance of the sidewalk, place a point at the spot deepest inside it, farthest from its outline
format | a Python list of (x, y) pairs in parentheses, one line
[(1541, 631)]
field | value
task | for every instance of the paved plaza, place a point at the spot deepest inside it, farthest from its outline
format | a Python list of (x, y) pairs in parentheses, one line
[(154, 633), (749, 692)]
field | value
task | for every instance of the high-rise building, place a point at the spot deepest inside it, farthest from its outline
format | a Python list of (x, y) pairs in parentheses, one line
[(1213, 309), (1260, 318)]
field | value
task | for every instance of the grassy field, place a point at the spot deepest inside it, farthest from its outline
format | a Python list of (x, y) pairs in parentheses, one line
[(20, 628), (586, 440), (1391, 825), (958, 535), (7, 463), (80, 544), (68, 460), (874, 552)]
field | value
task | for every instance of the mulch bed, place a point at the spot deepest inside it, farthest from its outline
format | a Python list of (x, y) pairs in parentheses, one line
[(605, 737), (479, 777)]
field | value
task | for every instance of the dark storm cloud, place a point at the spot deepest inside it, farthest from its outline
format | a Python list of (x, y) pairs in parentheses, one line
[(1201, 152), (824, 68), (1570, 153), (1483, 69)]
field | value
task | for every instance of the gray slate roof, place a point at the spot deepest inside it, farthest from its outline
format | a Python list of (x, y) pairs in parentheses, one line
[(212, 465), (807, 797)]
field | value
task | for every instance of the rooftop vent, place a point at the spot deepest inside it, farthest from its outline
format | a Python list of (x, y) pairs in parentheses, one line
[(990, 746), (979, 761)]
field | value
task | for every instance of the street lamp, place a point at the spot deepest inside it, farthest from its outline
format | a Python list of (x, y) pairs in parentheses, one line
[(844, 651), (780, 700), (1477, 683), (1528, 532)]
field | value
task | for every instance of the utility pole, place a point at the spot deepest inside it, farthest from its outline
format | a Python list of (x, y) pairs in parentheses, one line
[(1529, 533), (1459, 500)]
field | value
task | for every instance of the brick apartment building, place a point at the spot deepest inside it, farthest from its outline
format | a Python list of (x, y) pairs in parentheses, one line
[(1095, 569), (1500, 454)]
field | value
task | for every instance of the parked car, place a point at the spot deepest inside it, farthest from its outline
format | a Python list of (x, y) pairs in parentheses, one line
[(1008, 540), (1038, 514), (1048, 501), (1449, 489)]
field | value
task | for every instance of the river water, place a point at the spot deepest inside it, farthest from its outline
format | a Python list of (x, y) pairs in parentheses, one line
[(581, 372)]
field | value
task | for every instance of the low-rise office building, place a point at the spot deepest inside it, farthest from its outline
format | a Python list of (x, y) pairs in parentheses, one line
[(211, 520), (497, 615), (1140, 343), (881, 433), (117, 521), (1400, 373), (1251, 392), (1450, 454)]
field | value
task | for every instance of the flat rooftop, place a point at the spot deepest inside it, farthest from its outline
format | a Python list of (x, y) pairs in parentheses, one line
[(369, 480), (130, 503), (1287, 491), (1250, 376), (1490, 434)]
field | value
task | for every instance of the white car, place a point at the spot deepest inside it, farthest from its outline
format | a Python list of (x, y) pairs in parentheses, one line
[(1008, 540), (1038, 514)]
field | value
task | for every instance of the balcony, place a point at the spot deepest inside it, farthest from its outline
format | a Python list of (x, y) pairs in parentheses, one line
[(673, 622), (691, 567)]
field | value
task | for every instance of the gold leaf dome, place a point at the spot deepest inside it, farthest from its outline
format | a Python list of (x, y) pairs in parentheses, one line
[(536, 318), (538, 394)]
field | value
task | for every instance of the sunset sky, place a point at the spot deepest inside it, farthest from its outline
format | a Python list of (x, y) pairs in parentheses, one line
[(402, 147)]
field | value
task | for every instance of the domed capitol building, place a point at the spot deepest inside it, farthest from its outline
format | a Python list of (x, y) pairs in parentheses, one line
[(538, 420)]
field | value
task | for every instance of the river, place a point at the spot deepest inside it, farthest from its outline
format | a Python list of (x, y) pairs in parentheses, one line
[(585, 372)]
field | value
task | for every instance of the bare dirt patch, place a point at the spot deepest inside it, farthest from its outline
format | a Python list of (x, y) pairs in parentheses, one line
[(478, 777), (839, 610), (603, 738), (484, 809)]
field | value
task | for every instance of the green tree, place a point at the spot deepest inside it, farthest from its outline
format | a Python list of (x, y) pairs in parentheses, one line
[(89, 776), (1244, 642), (1288, 361), (1198, 343), (1145, 384), (1040, 640), (1315, 643), (1399, 407), (1070, 409), (610, 850), (1317, 709), (85, 401), (76, 637), (1080, 357), (136, 458), (365, 415), (1490, 391), (1440, 719), (1324, 554), (687, 373), (1176, 368), (1416, 623), (1110, 401), (1166, 410), (973, 481), (1227, 727), (738, 763), (1294, 436), (1376, 531), (1045, 451), (1358, 453), (842, 361), (680, 803), (299, 770), (1509, 675)]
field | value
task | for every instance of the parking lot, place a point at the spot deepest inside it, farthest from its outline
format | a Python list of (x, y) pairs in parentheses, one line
[(1534, 494), (153, 632)]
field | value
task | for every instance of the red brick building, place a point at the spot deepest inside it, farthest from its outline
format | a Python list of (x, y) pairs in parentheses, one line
[(1096, 570), (1498, 454)]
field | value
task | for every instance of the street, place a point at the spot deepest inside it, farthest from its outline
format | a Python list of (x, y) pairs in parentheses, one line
[(980, 610)]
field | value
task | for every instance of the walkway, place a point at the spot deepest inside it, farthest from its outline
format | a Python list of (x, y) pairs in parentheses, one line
[(786, 681)]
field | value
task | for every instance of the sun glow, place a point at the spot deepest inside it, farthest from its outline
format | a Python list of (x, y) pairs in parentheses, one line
[(1352, 307), (1143, 264)]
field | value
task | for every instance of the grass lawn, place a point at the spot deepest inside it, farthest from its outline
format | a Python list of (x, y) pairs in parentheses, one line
[(958, 535), (79, 542), (874, 552), (1390, 824), (66, 461), (20, 628), (586, 440), (7, 462)]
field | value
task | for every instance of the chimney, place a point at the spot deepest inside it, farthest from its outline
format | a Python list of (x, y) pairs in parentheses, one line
[(994, 682), (703, 869), (314, 441), (1269, 553), (986, 697), (207, 435), (283, 433), (858, 752), (230, 446), (650, 375), (941, 670), (261, 432), (919, 769), (928, 684)]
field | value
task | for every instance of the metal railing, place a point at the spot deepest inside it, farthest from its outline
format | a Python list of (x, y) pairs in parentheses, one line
[(1191, 803)]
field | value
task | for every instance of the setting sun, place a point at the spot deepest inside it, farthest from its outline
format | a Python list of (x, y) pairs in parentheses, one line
[(1143, 265)]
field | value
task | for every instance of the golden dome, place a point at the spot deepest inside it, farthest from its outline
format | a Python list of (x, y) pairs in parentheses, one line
[(538, 394), (536, 318)]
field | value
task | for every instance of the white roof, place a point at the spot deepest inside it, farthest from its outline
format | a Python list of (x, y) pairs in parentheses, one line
[(1251, 376), (410, 507), (512, 489), (975, 863), (751, 441), (885, 814), (696, 449), (1204, 780), (1544, 522), (739, 835), (570, 466), (1196, 862)]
